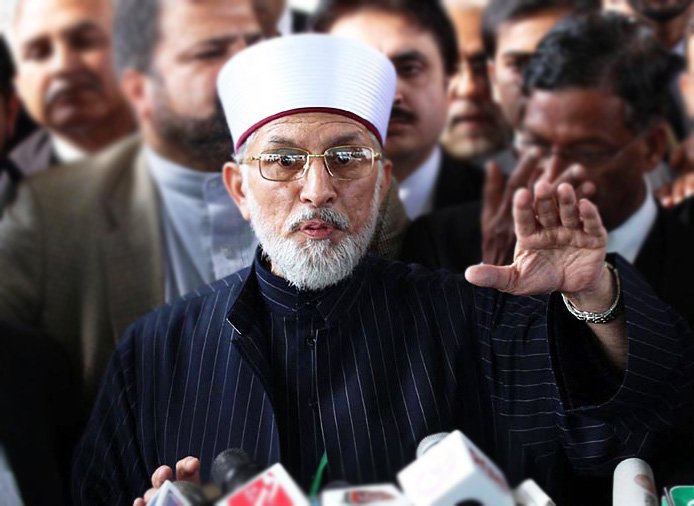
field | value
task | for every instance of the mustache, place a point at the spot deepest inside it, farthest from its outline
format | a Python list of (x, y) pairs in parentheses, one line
[(398, 113), (467, 108), (66, 84), (329, 216)]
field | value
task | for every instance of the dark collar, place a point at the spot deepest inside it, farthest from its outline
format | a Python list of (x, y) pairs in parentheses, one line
[(263, 289)]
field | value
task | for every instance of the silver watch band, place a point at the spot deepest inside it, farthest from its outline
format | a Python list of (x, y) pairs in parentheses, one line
[(606, 316)]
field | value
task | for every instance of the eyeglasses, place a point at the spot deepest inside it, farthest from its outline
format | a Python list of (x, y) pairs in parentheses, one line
[(289, 164), (587, 157)]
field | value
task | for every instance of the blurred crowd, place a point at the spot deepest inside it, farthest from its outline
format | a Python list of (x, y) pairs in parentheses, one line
[(112, 140)]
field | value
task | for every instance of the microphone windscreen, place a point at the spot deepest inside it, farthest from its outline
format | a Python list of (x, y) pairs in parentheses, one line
[(232, 468), (633, 484), (429, 441)]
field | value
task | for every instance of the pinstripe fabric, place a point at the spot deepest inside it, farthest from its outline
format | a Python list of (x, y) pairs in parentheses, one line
[(400, 352)]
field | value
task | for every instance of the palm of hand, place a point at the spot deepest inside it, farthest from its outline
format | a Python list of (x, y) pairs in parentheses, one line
[(560, 247), (557, 259)]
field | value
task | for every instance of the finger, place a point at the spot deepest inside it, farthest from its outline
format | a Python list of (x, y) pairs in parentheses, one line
[(677, 193), (677, 158), (139, 502), (149, 495), (523, 172), (493, 191), (160, 475), (523, 213), (688, 185), (592, 224), (545, 205), (585, 190), (491, 276), (188, 469), (568, 210)]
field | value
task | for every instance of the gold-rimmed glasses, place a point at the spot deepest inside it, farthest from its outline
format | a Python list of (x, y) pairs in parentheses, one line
[(289, 164)]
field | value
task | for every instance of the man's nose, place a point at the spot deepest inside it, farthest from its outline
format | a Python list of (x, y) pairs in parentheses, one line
[(65, 59), (552, 165), (318, 186), (466, 84)]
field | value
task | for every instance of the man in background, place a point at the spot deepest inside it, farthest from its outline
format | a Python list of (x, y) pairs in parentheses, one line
[(66, 80), (511, 30), (591, 108), (475, 128), (87, 249), (420, 40)]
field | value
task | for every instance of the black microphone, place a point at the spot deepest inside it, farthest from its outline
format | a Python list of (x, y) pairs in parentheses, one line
[(232, 468)]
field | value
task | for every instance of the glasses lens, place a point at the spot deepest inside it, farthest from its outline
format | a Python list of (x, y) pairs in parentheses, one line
[(349, 162), (283, 164)]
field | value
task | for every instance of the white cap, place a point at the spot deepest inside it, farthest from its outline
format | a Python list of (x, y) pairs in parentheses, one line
[(306, 73)]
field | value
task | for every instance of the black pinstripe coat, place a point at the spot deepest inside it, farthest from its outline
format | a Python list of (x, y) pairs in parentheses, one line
[(403, 352)]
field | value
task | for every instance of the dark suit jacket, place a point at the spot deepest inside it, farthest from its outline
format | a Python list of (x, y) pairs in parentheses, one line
[(451, 239), (458, 182), (402, 352), (41, 413)]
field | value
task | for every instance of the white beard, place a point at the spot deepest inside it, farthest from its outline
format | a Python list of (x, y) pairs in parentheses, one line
[(318, 263)]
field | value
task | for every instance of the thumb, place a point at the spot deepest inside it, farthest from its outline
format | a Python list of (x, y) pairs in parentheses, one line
[(493, 190), (491, 276)]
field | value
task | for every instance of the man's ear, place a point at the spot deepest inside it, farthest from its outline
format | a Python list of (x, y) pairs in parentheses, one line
[(136, 88), (233, 181), (657, 144), (387, 178)]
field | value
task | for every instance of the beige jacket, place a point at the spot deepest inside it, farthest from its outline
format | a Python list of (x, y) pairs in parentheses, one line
[(80, 254)]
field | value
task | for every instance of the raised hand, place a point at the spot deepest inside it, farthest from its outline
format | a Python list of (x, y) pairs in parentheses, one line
[(560, 246), (187, 469), (498, 236)]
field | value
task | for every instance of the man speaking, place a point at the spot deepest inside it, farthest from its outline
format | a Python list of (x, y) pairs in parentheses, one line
[(318, 351)]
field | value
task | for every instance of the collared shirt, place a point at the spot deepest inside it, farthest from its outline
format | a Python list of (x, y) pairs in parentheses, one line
[(401, 352), (65, 151), (205, 236), (416, 191), (628, 238)]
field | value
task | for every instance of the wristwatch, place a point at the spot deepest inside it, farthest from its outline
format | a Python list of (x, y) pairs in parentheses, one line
[(606, 316)]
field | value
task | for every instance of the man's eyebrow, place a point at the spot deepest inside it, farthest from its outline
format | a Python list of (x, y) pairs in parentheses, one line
[(347, 138), (82, 26), (517, 54), (279, 140), (404, 56)]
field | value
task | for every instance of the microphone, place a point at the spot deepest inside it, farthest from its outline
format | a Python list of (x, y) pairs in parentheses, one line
[(246, 484), (232, 468), (382, 494), (179, 493), (633, 484), (529, 493), (451, 469)]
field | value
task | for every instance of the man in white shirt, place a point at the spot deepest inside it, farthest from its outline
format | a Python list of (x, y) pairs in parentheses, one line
[(65, 79), (591, 108)]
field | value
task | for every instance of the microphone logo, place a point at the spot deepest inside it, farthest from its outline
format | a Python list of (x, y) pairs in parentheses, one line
[(265, 490), (366, 497)]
